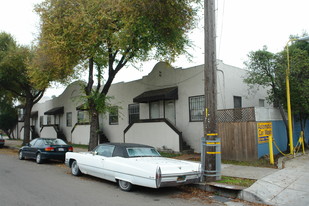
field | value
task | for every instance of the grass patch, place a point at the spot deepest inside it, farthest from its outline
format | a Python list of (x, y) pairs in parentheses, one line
[(169, 155), (236, 181), (82, 146)]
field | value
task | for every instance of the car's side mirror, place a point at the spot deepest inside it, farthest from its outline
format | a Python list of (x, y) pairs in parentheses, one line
[(94, 153), (27, 144)]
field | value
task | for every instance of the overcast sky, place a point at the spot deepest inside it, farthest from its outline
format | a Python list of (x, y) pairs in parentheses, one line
[(242, 26)]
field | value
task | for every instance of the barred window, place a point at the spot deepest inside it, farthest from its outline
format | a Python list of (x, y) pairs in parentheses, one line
[(113, 116), (196, 108), (133, 113)]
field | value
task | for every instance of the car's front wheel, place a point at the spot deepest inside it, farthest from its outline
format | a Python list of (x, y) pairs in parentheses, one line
[(75, 169), (124, 185), (38, 158), (21, 155)]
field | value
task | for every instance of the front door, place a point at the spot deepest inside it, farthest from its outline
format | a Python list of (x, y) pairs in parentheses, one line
[(169, 111)]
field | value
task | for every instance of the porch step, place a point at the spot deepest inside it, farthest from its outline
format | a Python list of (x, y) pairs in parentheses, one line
[(186, 149), (103, 138)]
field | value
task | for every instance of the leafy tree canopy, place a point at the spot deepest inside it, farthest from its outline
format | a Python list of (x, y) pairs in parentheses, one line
[(113, 32)]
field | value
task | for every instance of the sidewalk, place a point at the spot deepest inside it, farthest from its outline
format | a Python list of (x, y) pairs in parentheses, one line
[(287, 186)]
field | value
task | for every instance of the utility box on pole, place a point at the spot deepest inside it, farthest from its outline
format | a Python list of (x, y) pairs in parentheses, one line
[(211, 153)]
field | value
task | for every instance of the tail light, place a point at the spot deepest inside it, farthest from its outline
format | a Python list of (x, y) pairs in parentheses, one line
[(70, 149), (158, 177), (49, 149)]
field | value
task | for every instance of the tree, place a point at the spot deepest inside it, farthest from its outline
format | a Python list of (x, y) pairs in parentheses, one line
[(14, 77), (109, 35), (269, 70), (8, 114), (299, 80)]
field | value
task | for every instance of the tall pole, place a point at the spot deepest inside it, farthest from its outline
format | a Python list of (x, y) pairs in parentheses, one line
[(287, 80), (210, 76)]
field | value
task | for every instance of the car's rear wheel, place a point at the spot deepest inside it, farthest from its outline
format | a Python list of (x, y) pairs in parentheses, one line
[(38, 158), (75, 169), (21, 155), (124, 185)]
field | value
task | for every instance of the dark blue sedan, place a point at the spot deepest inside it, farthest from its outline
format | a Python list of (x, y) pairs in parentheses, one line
[(42, 149)]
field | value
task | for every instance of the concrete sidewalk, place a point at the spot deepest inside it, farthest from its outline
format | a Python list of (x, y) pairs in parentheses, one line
[(288, 186)]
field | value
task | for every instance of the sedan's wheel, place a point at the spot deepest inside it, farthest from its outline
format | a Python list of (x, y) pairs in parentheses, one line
[(21, 155), (39, 159), (124, 185), (75, 169)]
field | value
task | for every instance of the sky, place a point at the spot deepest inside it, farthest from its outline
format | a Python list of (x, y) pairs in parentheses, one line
[(241, 26)]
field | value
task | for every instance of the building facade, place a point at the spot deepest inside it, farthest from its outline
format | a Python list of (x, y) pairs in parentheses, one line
[(164, 109)]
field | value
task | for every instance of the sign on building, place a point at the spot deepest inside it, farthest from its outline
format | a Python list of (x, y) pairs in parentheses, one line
[(264, 131)]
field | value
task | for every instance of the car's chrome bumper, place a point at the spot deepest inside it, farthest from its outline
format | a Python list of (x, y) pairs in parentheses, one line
[(170, 181)]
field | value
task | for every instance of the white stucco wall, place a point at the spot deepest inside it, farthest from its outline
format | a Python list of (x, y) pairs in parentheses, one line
[(156, 134), (81, 134), (267, 114), (48, 132)]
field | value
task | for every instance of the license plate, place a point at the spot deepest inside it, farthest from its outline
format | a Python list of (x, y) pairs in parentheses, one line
[(181, 178), (61, 149)]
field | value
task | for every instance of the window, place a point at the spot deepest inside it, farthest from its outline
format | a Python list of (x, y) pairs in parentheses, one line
[(133, 113), (41, 121), (237, 102), (196, 108), (113, 116), (105, 150), (154, 110), (69, 119), (82, 117), (48, 120), (237, 108), (261, 103)]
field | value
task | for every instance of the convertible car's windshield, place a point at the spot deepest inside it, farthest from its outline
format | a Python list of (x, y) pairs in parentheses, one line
[(143, 152)]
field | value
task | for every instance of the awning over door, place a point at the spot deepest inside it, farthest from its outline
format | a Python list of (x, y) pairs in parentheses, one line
[(157, 95), (55, 111), (34, 114)]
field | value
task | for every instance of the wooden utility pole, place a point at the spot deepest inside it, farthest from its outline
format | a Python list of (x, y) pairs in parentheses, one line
[(210, 74)]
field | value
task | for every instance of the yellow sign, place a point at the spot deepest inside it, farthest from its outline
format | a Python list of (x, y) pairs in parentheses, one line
[(264, 131)]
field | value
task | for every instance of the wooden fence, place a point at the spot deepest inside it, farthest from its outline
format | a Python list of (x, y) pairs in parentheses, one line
[(238, 134)]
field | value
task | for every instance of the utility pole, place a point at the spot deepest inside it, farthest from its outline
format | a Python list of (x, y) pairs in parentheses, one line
[(211, 147)]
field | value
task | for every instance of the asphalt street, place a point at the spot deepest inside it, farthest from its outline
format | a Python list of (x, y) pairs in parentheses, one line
[(25, 183)]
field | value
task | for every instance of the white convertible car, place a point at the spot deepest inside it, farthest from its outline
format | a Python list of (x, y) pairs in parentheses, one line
[(133, 164)]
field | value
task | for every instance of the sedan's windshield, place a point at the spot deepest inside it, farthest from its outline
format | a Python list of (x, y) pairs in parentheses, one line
[(54, 142), (143, 152)]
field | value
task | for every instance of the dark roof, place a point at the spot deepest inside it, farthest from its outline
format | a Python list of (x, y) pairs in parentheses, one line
[(34, 114), (156, 95), (54, 111)]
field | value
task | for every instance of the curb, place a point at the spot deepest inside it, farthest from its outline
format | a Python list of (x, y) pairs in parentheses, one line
[(250, 197)]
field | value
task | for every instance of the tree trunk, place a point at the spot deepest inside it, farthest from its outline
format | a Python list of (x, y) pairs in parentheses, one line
[(94, 129), (27, 117)]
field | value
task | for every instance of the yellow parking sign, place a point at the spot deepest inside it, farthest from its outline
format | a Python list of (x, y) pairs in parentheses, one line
[(264, 131)]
